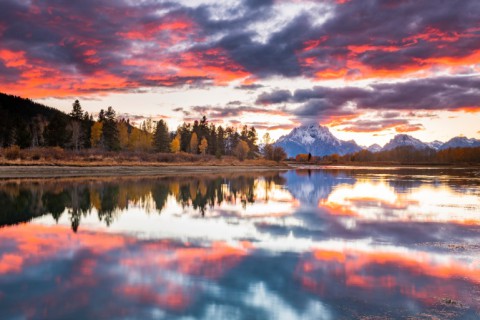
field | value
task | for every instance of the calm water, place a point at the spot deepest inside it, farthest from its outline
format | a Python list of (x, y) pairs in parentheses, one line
[(301, 244)]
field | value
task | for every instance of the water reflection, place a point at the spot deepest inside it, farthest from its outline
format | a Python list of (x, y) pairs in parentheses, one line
[(108, 198), (304, 244)]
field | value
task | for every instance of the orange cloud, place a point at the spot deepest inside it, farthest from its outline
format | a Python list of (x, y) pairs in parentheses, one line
[(350, 269), (409, 128), (13, 58)]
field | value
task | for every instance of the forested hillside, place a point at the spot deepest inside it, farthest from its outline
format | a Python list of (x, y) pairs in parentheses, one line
[(26, 124), (23, 121)]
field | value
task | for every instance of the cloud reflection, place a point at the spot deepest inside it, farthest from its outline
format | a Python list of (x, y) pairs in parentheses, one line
[(302, 244)]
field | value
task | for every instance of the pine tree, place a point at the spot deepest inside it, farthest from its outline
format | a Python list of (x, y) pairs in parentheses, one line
[(185, 136), (77, 137), (110, 131), (161, 137), (101, 115), (56, 133), (87, 130), (212, 140), (220, 142), (252, 142), (77, 112), (22, 136)]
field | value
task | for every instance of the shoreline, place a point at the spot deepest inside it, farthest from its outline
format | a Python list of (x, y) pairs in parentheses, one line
[(25, 171)]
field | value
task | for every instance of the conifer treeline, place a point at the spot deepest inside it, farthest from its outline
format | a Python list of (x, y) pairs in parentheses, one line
[(79, 130), (409, 155)]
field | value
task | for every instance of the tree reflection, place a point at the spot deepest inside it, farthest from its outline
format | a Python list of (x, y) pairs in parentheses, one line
[(108, 197)]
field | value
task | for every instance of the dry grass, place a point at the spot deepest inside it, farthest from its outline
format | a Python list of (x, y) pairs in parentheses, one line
[(95, 158)]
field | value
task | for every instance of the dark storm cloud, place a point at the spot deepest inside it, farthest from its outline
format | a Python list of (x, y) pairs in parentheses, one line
[(233, 111), (249, 86), (402, 33), (278, 96), (442, 93), (132, 44), (8, 73)]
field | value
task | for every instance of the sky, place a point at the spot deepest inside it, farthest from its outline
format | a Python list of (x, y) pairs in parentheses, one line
[(367, 69)]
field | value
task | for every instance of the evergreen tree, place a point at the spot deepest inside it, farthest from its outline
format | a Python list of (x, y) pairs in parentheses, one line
[(77, 136), (87, 130), (185, 136), (212, 140), (252, 142), (56, 133), (101, 115), (77, 112), (220, 142), (203, 130), (22, 136), (161, 137), (110, 131)]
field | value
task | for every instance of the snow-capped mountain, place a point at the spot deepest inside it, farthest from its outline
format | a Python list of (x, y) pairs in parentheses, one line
[(314, 139), (319, 141), (435, 144), (461, 142), (403, 140), (374, 148)]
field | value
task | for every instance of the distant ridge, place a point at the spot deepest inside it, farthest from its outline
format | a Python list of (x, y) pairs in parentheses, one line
[(315, 139), (460, 142), (319, 141), (404, 140)]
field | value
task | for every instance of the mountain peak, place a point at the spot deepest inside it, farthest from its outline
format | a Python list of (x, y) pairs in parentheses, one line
[(374, 147), (461, 142), (315, 139), (308, 134), (402, 140)]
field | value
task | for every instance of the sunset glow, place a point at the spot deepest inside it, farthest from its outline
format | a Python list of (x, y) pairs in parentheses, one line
[(334, 63)]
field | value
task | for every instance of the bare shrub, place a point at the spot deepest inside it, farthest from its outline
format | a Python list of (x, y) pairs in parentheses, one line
[(12, 153)]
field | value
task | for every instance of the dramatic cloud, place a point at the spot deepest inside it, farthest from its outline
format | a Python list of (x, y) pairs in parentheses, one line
[(441, 93), (400, 125), (61, 48)]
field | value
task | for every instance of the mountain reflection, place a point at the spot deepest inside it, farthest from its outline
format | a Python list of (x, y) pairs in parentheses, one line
[(300, 244)]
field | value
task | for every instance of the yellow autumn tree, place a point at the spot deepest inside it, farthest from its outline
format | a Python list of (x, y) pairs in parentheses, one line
[(203, 146), (194, 143), (123, 134), (241, 150), (96, 135), (175, 144), (140, 140)]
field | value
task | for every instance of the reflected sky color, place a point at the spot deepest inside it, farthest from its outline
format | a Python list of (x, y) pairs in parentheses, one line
[(375, 201), (300, 244)]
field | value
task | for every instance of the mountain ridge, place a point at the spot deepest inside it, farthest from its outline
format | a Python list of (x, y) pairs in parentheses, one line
[(315, 139), (319, 141)]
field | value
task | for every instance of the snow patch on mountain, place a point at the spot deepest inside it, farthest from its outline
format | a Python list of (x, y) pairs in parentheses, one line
[(315, 139), (404, 140), (374, 148), (461, 142)]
